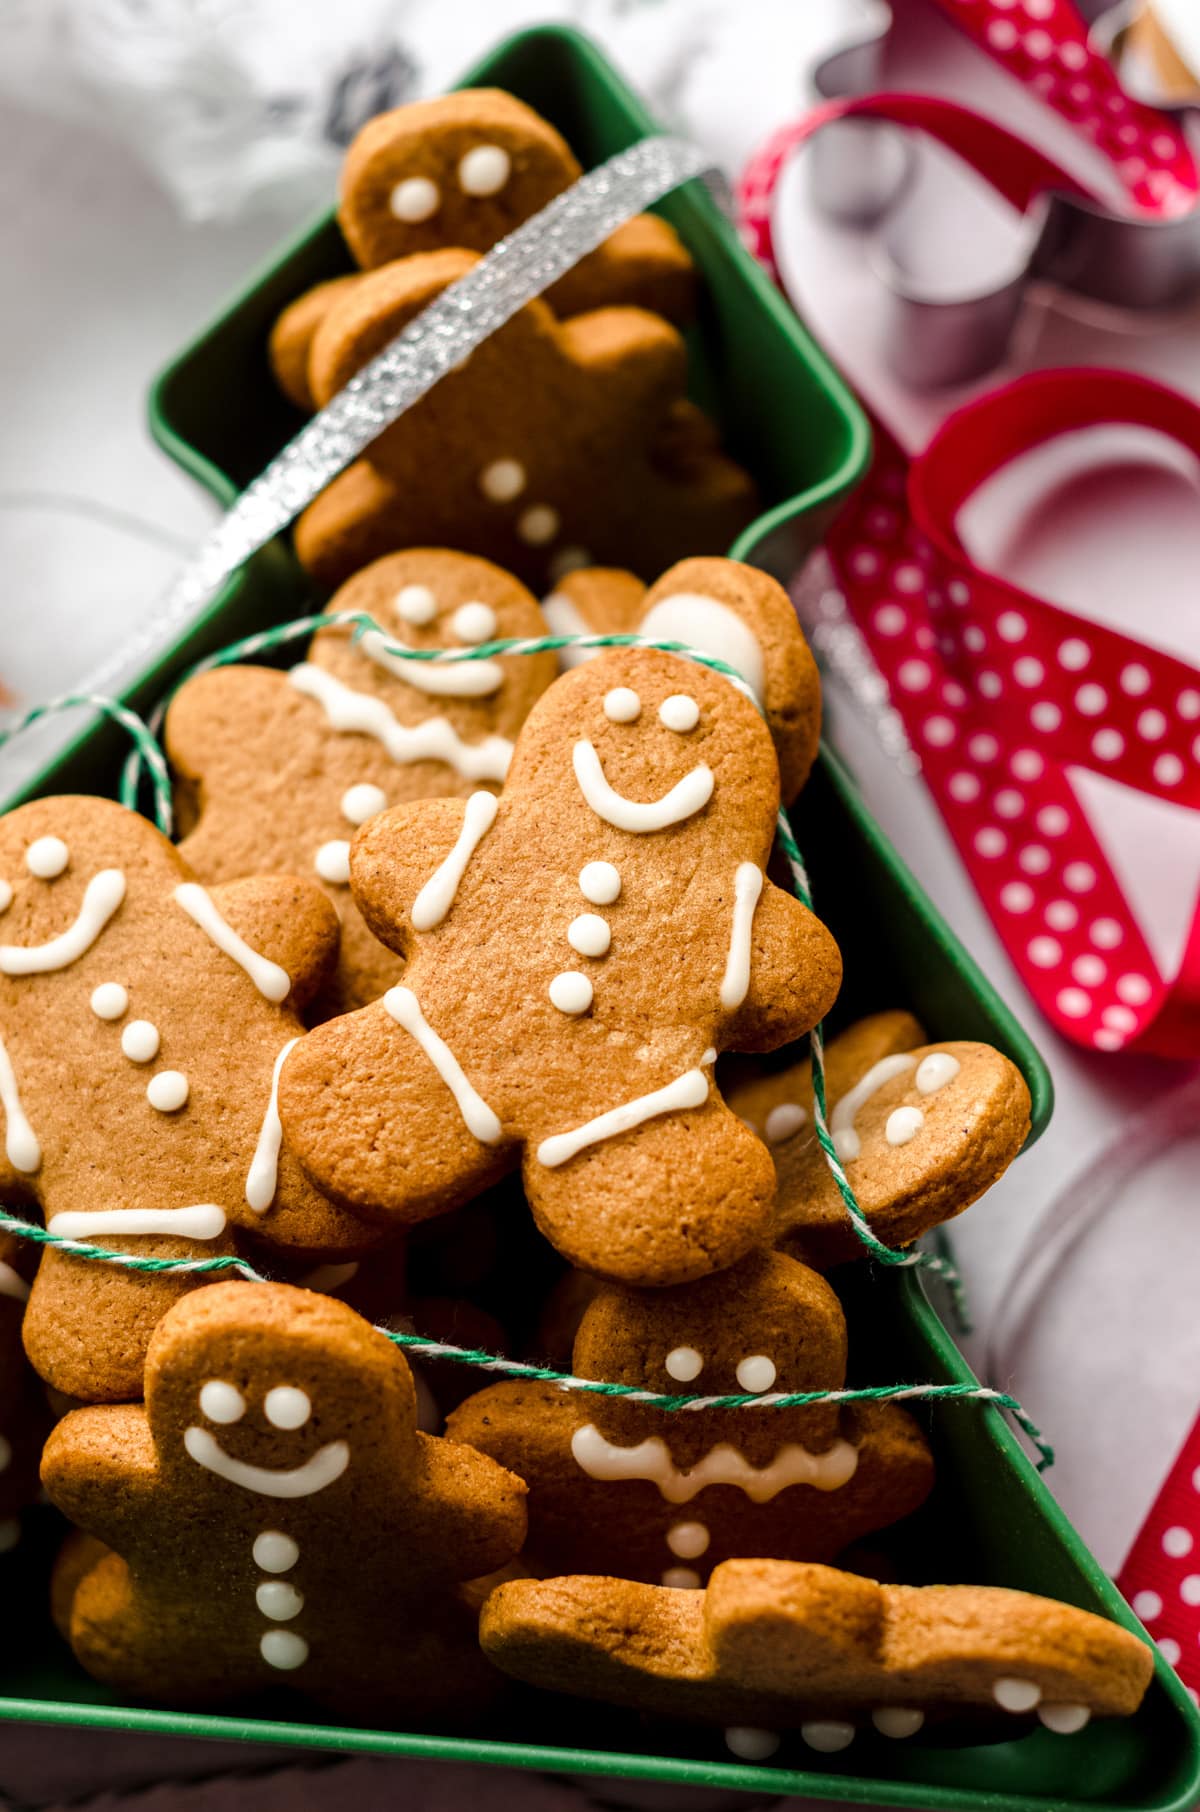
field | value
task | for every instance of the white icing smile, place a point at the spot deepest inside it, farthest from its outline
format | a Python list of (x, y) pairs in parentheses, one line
[(326, 1465), (687, 797), (723, 1465), (451, 679), (101, 897)]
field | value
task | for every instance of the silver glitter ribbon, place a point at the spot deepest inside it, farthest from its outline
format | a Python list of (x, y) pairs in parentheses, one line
[(543, 249)]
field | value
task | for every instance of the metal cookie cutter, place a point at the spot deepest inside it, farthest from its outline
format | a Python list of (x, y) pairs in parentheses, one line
[(1147, 256)]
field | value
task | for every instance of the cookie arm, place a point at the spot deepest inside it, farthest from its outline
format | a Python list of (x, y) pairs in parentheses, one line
[(392, 858), (287, 920), (466, 1516), (795, 974), (100, 1469)]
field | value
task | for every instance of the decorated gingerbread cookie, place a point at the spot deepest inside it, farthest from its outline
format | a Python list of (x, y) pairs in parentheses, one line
[(723, 608), (274, 1515), (922, 1130), (577, 954), (775, 1645), (464, 170), (144, 1019), (555, 444), (276, 771), (665, 1496)]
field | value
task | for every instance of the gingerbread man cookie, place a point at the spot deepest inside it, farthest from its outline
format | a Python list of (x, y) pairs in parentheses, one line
[(577, 955), (922, 1130), (720, 607), (776, 1645), (143, 1020), (276, 771), (555, 444), (274, 1516), (464, 170), (666, 1496)]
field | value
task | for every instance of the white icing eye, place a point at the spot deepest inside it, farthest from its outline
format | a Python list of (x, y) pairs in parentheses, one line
[(474, 622), (283, 1649), (757, 1373), (222, 1402), (275, 1553), (679, 712), (362, 802), (278, 1600), (484, 171), (503, 480), (784, 1121), (538, 524), (589, 934), (5, 896), (109, 1000), (622, 705), (47, 857), (415, 199), (287, 1407), (600, 883), (332, 862), (140, 1041), (168, 1091), (683, 1363), (935, 1071), (903, 1124), (416, 604), (571, 992), (688, 1540)]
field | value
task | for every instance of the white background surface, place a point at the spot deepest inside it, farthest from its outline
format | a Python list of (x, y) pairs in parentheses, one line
[(105, 281)]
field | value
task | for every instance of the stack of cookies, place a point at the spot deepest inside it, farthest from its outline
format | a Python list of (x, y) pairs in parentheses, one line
[(466, 1002)]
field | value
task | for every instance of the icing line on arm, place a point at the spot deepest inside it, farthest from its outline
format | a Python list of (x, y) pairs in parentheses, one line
[(263, 1174), (478, 1117), (688, 1090), (747, 889), (437, 896), (272, 981)]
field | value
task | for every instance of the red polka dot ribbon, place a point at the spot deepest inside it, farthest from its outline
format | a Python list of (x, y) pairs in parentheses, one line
[(1161, 1576)]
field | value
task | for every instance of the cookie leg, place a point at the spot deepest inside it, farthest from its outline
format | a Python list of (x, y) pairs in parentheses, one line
[(672, 1200)]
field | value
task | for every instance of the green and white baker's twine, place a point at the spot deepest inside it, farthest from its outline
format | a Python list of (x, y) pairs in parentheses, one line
[(147, 753)]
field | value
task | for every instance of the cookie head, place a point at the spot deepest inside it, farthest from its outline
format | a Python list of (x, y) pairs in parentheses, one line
[(264, 1389), (462, 170)]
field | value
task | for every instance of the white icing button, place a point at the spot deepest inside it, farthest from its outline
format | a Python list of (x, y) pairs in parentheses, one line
[(275, 1553), (167, 1091), (10, 1533), (600, 883), (484, 171), (751, 1745), (140, 1041), (287, 1407), (47, 857), (783, 1121), (222, 1402), (1016, 1695), (827, 1736), (571, 992), (362, 802), (622, 705), (589, 934), (474, 622), (109, 1000), (5, 896), (679, 712), (935, 1071), (278, 1600), (757, 1373), (332, 862), (283, 1648), (1065, 1720), (683, 1364), (897, 1721), (903, 1124), (416, 604), (415, 199), (688, 1540), (503, 480), (538, 524), (682, 1579)]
